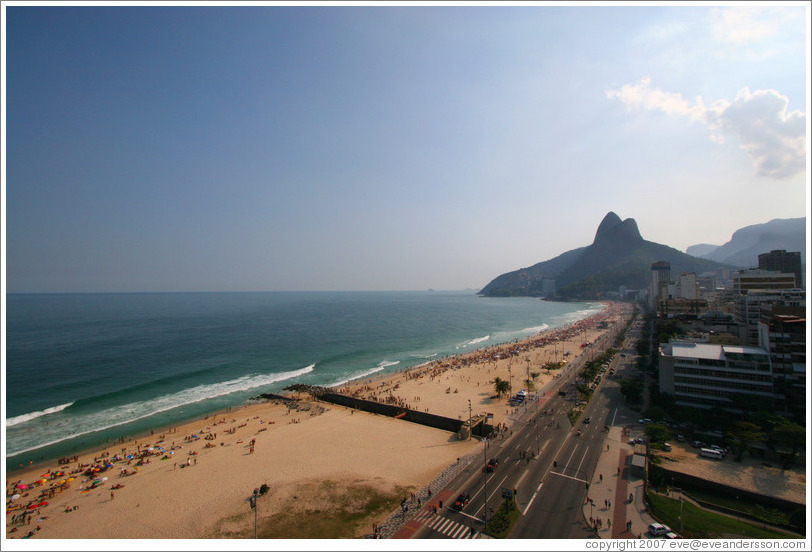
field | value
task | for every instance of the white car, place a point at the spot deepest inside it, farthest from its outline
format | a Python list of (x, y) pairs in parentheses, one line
[(658, 529), (670, 535)]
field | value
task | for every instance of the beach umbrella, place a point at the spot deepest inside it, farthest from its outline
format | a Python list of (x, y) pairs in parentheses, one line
[(22, 486)]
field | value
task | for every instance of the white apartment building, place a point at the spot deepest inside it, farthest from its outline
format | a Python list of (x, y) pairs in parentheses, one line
[(704, 375)]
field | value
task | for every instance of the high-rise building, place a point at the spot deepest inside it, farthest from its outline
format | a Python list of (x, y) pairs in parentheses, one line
[(704, 375), (782, 333), (660, 274), (688, 286), (756, 290), (758, 279), (779, 260)]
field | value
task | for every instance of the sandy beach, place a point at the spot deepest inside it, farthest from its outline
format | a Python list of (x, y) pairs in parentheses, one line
[(323, 464)]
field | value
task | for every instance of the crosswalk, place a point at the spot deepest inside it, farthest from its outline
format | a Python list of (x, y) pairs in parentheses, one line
[(447, 527)]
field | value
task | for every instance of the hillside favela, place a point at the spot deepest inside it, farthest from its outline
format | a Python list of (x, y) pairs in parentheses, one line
[(261, 277)]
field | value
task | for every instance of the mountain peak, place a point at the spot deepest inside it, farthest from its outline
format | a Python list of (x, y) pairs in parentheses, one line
[(609, 221), (619, 256), (612, 228)]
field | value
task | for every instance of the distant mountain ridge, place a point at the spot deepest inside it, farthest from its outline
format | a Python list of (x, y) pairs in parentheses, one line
[(747, 243), (618, 256)]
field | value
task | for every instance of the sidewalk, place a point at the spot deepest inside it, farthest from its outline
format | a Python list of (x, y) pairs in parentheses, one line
[(609, 490)]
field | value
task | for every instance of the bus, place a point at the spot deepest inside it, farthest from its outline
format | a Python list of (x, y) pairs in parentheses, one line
[(710, 453)]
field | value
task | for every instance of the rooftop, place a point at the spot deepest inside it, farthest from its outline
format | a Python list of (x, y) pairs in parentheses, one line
[(710, 351)]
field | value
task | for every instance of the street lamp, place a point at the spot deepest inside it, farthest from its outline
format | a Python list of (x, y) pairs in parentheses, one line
[(254, 506), (470, 429), (485, 480)]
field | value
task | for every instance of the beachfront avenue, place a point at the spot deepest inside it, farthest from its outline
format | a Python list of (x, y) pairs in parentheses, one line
[(543, 459)]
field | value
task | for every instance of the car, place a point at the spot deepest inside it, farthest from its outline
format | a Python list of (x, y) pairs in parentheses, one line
[(491, 465), (461, 501), (658, 529), (720, 449), (698, 444), (644, 421), (671, 535), (667, 447), (587, 420)]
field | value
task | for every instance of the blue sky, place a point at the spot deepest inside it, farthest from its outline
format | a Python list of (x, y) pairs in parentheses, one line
[(386, 147)]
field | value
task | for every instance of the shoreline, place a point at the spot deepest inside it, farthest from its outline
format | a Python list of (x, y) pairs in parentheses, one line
[(361, 449), (352, 383)]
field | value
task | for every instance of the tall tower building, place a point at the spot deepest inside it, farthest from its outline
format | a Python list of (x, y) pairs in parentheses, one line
[(779, 260), (660, 274)]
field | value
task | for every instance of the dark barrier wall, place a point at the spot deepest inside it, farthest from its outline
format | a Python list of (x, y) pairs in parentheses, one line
[(422, 418), (677, 479)]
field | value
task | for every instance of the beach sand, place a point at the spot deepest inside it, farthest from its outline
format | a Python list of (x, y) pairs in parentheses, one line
[(321, 462)]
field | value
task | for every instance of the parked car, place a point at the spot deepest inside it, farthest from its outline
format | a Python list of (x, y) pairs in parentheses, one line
[(587, 420), (667, 447), (698, 444), (720, 449), (491, 465), (671, 535), (461, 501), (658, 529)]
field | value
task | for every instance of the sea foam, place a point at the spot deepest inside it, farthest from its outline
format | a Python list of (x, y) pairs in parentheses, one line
[(383, 365), (32, 415), (131, 412)]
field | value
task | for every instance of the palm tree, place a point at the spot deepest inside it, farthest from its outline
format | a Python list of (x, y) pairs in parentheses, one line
[(501, 386)]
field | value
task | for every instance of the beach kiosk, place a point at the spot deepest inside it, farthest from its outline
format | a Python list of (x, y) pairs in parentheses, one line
[(471, 427)]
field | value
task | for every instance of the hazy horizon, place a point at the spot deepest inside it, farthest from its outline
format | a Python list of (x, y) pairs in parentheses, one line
[(387, 147)]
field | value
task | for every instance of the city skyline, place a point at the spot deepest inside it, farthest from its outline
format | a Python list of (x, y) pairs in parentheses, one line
[(385, 147)]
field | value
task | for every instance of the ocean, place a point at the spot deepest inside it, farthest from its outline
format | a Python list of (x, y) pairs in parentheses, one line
[(82, 369)]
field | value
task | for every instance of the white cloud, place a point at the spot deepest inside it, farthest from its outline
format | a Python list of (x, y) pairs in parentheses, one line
[(742, 25), (774, 138)]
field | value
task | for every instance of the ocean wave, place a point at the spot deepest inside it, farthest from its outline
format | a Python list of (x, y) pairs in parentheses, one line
[(32, 415), (424, 356), (473, 341), (127, 413), (536, 329), (384, 364)]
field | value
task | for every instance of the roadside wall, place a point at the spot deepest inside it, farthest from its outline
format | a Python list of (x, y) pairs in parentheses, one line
[(422, 418)]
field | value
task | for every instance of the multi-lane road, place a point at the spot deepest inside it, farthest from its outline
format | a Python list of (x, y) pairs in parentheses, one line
[(543, 459)]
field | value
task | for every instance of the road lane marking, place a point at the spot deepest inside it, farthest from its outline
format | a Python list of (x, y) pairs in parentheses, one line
[(468, 515), (571, 455), (440, 526), (569, 477), (519, 482), (532, 499), (582, 460)]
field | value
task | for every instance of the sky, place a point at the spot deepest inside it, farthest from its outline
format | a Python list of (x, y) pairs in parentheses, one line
[(385, 147)]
